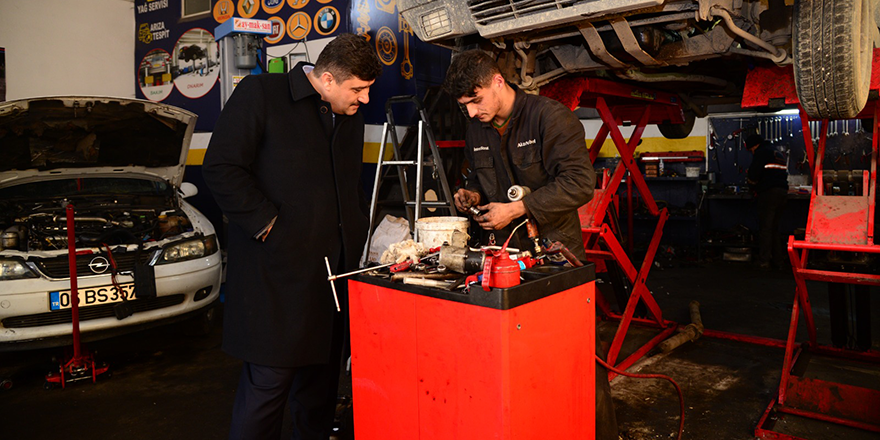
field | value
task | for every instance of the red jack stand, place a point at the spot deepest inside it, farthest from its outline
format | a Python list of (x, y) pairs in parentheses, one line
[(619, 103), (841, 224), (81, 364), (845, 225)]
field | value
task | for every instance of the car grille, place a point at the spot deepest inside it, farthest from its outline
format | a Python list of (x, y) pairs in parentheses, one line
[(491, 11), (58, 267), (92, 312)]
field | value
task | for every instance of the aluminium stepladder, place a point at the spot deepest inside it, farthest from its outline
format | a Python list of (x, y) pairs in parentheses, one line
[(413, 205)]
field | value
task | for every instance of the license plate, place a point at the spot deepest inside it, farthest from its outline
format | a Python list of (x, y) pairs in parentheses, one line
[(91, 296)]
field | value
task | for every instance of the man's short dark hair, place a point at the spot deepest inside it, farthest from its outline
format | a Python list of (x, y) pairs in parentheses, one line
[(349, 55), (469, 70)]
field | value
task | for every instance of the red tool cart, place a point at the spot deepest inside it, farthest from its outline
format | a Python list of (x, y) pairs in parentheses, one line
[(513, 363), (838, 225)]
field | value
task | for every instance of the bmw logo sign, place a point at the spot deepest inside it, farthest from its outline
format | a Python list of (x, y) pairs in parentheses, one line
[(326, 20)]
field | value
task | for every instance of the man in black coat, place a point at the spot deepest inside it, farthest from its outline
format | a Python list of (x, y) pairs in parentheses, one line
[(768, 174), (284, 165), (533, 141)]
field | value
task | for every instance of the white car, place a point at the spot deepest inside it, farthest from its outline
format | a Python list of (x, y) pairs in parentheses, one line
[(143, 255)]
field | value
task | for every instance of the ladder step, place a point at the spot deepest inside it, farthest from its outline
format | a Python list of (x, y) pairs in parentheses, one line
[(424, 203), (406, 162)]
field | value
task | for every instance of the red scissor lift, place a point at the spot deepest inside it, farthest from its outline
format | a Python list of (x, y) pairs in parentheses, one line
[(620, 104), (836, 223)]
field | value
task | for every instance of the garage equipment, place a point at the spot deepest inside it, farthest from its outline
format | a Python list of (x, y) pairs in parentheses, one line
[(511, 363), (80, 365), (241, 43), (839, 224), (413, 205), (620, 104)]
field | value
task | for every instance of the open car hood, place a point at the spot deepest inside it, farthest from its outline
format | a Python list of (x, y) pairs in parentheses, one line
[(70, 135)]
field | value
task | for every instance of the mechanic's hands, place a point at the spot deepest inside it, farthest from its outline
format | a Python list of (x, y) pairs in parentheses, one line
[(499, 215), (465, 198)]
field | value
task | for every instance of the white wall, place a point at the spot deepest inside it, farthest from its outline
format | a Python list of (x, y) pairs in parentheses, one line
[(64, 47)]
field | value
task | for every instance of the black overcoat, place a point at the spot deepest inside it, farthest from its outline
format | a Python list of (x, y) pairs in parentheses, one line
[(275, 152)]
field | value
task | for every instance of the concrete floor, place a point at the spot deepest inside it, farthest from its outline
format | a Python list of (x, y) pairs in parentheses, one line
[(168, 385)]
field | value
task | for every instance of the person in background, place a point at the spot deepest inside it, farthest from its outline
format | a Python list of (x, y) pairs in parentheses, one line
[(768, 175), (284, 165)]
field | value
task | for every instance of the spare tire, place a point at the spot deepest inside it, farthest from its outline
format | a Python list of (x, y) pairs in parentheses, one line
[(832, 56), (678, 131)]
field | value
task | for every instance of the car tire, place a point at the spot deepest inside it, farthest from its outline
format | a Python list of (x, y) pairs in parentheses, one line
[(678, 131), (833, 50)]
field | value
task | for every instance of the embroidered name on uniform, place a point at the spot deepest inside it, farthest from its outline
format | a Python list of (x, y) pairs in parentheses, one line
[(526, 143), (481, 148)]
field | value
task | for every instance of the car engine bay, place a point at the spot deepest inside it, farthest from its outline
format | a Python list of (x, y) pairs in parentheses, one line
[(42, 225)]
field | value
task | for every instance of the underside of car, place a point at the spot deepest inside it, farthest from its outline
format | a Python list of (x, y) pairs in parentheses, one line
[(699, 49)]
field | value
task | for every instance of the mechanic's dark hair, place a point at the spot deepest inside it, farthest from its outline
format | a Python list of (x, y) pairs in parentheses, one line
[(469, 70), (753, 140), (349, 55)]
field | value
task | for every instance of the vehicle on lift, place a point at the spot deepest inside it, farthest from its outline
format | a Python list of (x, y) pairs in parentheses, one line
[(699, 49), (144, 256)]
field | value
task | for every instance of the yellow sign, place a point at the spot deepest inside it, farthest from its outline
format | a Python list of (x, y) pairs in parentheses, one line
[(247, 8), (272, 6), (386, 5), (386, 45), (327, 20), (297, 4), (363, 29), (278, 30), (298, 25), (223, 10), (144, 34), (406, 67)]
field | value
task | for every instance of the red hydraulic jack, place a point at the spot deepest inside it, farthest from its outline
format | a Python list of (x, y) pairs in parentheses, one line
[(81, 364), (618, 104), (840, 224)]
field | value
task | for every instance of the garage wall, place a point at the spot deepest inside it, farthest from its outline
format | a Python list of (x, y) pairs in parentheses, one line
[(57, 47)]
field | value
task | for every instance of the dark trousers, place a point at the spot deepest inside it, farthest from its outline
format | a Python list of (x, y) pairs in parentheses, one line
[(311, 392), (771, 204)]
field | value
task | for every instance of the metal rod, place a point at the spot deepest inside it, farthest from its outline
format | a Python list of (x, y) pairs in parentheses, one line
[(420, 172), (74, 292), (332, 284)]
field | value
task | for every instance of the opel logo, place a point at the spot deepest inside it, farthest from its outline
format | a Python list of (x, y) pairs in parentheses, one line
[(99, 264)]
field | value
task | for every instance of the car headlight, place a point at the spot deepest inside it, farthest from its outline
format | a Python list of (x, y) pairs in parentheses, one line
[(15, 270), (189, 250)]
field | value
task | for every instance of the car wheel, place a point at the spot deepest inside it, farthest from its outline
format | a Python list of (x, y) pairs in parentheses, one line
[(679, 131), (832, 56)]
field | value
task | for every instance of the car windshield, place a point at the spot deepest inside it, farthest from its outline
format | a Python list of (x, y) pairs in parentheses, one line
[(84, 187)]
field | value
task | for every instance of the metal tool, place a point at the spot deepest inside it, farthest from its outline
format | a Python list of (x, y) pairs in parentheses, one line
[(81, 365)]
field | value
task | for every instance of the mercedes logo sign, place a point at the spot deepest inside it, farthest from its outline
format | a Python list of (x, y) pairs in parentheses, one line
[(99, 265)]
